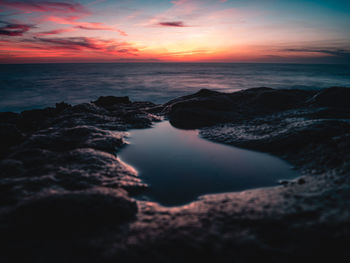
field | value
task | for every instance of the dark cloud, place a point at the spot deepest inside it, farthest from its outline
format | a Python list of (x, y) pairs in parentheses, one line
[(172, 24), (338, 52), (45, 6), (86, 27), (73, 43), (10, 29), (55, 32), (81, 44)]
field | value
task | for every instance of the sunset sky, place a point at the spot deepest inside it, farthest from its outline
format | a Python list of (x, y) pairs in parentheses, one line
[(175, 31)]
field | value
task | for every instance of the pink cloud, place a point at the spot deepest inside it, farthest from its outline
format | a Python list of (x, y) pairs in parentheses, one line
[(72, 20), (122, 32), (11, 29), (172, 24), (82, 44), (45, 6), (55, 32)]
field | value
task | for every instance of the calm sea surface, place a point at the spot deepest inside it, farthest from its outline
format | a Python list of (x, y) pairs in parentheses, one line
[(31, 86)]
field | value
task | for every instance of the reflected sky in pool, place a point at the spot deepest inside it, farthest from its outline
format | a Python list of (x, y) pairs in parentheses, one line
[(179, 166)]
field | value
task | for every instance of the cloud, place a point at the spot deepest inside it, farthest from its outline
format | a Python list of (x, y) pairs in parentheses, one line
[(10, 29), (92, 26), (339, 52), (30, 6), (55, 32), (196, 13), (72, 20), (82, 44), (121, 32), (73, 43), (172, 24)]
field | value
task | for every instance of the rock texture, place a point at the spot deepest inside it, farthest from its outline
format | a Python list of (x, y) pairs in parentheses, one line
[(65, 196)]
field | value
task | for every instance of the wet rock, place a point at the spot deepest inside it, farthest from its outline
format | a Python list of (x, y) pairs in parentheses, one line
[(9, 117), (65, 226), (11, 167), (10, 135), (64, 139), (64, 215), (68, 148), (284, 182), (301, 181), (108, 101), (64, 193), (207, 108), (60, 107), (332, 97), (32, 120)]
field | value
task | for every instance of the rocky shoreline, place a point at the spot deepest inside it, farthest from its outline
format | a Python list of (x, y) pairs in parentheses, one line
[(65, 195)]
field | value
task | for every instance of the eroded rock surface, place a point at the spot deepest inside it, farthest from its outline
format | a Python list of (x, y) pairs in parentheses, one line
[(65, 196)]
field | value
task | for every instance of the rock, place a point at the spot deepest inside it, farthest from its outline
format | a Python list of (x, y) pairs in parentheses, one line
[(68, 148), (10, 135), (109, 101), (32, 120), (64, 139), (207, 108), (11, 168), (301, 181), (71, 214), (9, 117), (332, 97), (283, 182), (65, 195), (62, 106)]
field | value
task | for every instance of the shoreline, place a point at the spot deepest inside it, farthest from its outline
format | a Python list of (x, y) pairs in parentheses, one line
[(62, 159)]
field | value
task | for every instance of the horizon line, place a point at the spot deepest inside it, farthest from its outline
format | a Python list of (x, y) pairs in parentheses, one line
[(179, 62)]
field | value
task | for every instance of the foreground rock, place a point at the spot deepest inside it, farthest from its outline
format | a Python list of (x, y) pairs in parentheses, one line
[(293, 124), (66, 196), (68, 148)]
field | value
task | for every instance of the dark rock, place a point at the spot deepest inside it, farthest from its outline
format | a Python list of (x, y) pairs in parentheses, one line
[(206, 108), (332, 97), (32, 120), (284, 182), (65, 139), (108, 101), (62, 106), (9, 136), (64, 192), (330, 113), (9, 117), (301, 181), (65, 215), (67, 149), (11, 167)]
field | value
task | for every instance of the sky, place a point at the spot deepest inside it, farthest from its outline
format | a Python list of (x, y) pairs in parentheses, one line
[(266, 31)]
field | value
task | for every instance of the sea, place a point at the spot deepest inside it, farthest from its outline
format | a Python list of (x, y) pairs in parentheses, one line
[(32, 86)]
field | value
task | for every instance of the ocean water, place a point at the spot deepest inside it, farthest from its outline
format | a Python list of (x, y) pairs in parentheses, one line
[(31, 86), (179, 166)]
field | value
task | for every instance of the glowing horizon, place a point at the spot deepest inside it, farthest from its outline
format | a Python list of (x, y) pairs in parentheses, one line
[(174, 31)]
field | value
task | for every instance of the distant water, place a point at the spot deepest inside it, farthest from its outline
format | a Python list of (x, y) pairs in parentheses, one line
[(39, 85), (179, 166)]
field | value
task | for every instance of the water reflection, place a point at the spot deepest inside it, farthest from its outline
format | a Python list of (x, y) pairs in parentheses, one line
[(179, 166)]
